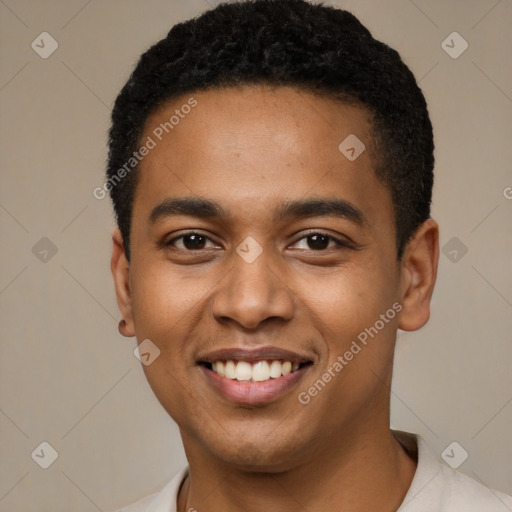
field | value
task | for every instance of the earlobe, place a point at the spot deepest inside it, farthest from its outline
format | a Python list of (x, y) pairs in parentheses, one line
[(120, 268), (419, 272)]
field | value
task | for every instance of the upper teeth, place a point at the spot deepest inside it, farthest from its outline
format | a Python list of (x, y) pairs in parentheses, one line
[(257, 372)]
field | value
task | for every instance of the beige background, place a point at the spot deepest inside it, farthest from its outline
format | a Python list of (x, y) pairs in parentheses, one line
[(68, 377)]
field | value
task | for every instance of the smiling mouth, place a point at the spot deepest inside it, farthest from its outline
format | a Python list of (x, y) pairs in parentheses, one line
[(257, 371)]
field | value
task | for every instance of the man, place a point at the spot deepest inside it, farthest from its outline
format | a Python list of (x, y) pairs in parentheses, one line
[(271, 168)]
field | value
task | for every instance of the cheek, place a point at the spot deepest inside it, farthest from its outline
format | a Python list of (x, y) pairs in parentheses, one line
[(165, 301), (350, 298), (167, 310), (169, 386), (346, 306)]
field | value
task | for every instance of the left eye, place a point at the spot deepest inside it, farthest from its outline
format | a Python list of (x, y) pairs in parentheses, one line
[(319, 241), (190, 241)]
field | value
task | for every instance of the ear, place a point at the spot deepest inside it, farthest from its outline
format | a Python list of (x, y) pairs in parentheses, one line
[(120, 268), (418, 276)]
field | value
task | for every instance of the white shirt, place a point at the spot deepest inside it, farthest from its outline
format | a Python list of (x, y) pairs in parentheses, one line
[(435, 488)]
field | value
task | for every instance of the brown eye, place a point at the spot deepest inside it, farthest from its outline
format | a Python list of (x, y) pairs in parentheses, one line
[(318, 242), (194, 241), (190, 241)]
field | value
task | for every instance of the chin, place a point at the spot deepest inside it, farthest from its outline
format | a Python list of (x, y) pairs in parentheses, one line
[(258, 453)]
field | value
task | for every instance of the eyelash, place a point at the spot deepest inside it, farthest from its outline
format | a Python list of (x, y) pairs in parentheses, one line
[(340, 244)]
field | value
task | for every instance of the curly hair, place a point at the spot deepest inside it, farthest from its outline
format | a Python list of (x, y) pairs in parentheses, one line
[(315, 48)]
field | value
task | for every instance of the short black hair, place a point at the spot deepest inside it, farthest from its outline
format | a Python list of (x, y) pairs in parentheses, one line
[(315, 48)]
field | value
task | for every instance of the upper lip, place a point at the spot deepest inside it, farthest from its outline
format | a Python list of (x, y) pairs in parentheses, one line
[(253, 355)]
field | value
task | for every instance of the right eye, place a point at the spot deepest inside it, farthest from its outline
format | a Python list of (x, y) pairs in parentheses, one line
[(191, 241)]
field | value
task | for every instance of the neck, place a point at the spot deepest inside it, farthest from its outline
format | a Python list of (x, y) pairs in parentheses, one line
[(367, 470)]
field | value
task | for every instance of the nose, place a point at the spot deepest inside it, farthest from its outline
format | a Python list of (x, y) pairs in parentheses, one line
[(252, 293)]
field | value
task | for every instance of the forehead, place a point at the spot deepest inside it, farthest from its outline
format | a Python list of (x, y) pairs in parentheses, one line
[(258, 145)]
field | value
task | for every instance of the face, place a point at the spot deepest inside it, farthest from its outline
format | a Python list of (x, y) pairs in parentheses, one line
[(258, 247)]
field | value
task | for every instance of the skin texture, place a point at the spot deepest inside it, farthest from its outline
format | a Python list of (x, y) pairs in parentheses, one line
[(251, 149)]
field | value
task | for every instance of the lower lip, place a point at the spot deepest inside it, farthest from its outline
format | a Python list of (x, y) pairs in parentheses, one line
[(253, 393)]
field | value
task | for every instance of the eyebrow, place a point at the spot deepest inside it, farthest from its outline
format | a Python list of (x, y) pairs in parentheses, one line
[(192, 206), (319, 207), (302, 208)]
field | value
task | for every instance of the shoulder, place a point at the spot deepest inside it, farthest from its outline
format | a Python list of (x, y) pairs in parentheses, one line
[(463, 493), (436, 486), (163, 501)]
